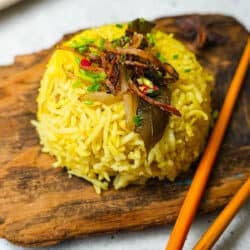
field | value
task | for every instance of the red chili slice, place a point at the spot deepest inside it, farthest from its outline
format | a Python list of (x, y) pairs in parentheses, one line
[(85, 62)]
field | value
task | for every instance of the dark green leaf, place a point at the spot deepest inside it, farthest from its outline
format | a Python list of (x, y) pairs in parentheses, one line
[(140, 25)]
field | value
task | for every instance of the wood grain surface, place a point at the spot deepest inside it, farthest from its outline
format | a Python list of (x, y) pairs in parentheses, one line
[(40, 205)]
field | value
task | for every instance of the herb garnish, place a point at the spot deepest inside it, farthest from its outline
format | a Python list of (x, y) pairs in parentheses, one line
[(151, 39)]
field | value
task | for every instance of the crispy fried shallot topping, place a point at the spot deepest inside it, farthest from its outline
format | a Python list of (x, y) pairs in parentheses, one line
[(130, 67)]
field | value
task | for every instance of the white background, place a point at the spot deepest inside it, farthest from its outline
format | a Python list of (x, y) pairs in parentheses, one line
[(33, 25)]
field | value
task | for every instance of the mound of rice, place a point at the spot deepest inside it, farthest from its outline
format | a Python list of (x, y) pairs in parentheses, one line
[(92, 141)]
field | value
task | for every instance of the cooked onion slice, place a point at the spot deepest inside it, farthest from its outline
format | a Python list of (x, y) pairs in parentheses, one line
[(130, 106), (102, 97), (123, 80), (130, 100)]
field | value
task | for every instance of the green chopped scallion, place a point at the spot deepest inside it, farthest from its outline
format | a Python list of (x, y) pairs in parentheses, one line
[(74, 44), (91, 76), (116, 43), (94, 87), (138, 120), (88, 102), (126, 39), (77, 60), (81, 43), (152, 92), (151, 39), (76, 84), (160, 57), (187, 70), (122, 58), (84, 76), (145, 81), (175, 56), (119, 25), (101, 43), (82, 49), (94, 53)]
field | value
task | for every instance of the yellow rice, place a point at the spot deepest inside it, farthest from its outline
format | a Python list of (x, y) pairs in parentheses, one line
[(92, 141)]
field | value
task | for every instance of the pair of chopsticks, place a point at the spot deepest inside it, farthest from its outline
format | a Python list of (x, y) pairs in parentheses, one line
[(216, 229), (195, 192)]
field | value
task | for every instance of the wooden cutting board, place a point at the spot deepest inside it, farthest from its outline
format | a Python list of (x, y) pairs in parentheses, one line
[(40, 205)]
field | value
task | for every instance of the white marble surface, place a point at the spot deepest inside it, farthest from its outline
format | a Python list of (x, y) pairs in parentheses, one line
[(33, 25)]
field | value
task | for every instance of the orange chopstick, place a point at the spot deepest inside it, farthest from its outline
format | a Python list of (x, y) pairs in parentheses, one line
[(216, 229), (194, 194)]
